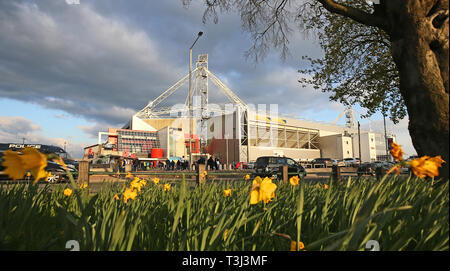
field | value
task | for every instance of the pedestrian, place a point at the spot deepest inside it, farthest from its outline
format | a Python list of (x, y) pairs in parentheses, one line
[(167, 164), (217, 163), (122, 165), (211, 163), (183, 163), (135, 164)]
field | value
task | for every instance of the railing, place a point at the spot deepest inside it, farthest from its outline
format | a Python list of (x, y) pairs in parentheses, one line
[(85, 174)]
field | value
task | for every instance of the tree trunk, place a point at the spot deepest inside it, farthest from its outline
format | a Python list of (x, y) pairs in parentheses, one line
[(420, 49)]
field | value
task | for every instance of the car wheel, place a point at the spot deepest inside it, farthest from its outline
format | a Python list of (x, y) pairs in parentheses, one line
[(55, 178)]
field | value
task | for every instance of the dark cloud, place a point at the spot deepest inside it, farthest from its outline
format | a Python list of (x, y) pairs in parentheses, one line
[(92, 130), (15, 128), (104, 60)]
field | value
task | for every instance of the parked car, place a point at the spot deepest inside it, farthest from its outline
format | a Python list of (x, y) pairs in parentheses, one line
[(251, 165), (322, 162), (56, 170), (339, 163), (366, 169), (384, 164), (268, 166), (351, 162)]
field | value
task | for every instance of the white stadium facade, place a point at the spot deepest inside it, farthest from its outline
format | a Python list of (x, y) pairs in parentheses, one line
[(232, 131)]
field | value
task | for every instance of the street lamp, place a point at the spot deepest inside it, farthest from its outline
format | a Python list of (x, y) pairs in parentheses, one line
[(190, 98)]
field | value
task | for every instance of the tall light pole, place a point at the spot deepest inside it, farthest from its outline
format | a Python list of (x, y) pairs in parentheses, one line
[(385, 138), (359, 142), (190, 98)]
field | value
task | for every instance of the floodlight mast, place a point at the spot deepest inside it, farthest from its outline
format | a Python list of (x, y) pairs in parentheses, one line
[(190, 98)]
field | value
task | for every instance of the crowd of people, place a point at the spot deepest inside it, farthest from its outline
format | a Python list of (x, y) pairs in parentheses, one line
[(181, 164), (212, 163)]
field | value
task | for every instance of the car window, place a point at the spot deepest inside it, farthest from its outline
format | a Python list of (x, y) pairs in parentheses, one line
[(261, 161), (272, 160), (281, 160), (291, 162)]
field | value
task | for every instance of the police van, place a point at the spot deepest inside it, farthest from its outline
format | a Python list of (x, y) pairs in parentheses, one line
[(57, 171)]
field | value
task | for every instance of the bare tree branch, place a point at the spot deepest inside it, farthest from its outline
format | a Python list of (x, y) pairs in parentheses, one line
[(355, 14)]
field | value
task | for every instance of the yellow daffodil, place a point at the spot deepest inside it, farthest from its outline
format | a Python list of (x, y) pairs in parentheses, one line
[(14, 166), (116, 197), (129, 194), (203, 174), (143, 182), (118, 173), (167, 187), (395, 168), (225, 234), (294, 180), (426, 166), (129, 175), (397, 152), (247, 177), (227, 192), (301, 246), (136, 184), (325, 186), (262, 190), (155, 180), (31, 159), (67, 192), (83, 185)]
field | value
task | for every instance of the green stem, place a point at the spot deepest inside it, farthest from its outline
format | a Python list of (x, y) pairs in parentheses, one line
[(299, 213)]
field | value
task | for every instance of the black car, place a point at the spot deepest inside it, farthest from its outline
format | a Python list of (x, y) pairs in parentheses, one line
[(57, 171), (273, 166), (322, 162), (366, 169)]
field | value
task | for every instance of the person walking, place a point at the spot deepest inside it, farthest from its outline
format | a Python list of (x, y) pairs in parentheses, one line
[(210, 163), (183, 163), (167, 164), (122, 165), (217, 163)]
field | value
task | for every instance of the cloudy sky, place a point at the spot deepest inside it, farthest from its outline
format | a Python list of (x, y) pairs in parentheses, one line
[(70, 71)]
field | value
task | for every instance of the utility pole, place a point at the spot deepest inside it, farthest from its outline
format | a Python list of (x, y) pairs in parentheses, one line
[(226, 141), (385, 138), (23, 140), (359, 143)]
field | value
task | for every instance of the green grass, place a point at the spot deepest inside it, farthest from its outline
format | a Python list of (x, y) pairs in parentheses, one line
[(400, 213)]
